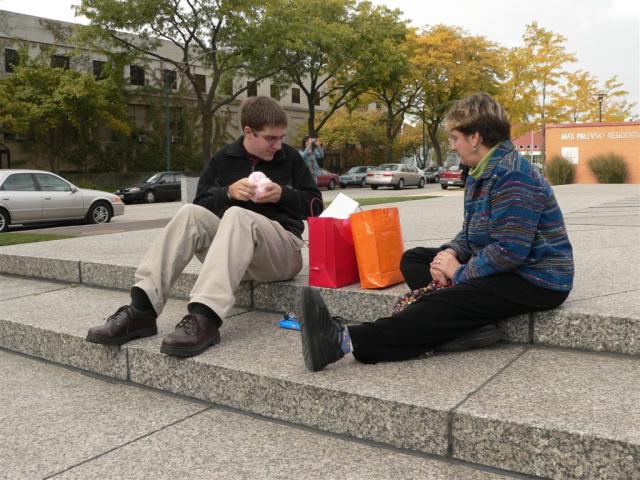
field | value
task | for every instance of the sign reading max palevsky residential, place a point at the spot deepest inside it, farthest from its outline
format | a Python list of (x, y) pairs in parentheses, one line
[(616, 135)]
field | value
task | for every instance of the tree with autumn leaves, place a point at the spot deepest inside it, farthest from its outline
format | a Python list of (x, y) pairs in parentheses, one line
[(532, 81), (351, 55)]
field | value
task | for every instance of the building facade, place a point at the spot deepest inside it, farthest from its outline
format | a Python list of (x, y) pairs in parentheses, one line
[(19, 33), (530, 146), (579, 142)]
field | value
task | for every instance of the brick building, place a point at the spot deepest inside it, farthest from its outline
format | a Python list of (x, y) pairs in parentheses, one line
[(580, 142)]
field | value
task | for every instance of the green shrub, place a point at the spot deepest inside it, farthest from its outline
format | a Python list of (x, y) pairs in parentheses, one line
[(84, 183), (608, 168), (559, 170)]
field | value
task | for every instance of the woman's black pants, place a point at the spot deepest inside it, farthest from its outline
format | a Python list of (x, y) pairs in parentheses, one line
[(443, 315)]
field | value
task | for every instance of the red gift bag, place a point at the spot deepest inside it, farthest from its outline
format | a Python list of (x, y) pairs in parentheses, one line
[(332, 258)]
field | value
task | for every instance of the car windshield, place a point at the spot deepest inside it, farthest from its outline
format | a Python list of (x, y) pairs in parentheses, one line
[(454, 168), (357, 170), (154, 178), (388, 167)]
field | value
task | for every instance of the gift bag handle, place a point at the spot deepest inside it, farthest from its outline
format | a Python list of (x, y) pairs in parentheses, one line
[(311, 205)]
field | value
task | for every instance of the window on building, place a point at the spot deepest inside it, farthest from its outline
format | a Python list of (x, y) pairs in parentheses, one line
[(98, 69), (252, 89), (295, 95), (60, 61), (139, 116), (11, 59), (275, 91), (201, 83), (316, 98), (170, 78), (136, 74)]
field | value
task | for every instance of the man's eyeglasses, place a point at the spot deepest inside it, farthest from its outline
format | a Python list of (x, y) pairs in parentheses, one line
[(271, 140)]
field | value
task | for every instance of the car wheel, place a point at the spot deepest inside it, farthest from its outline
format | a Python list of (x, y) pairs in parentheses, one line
[(5, 220), (436, 179), (363, 182), (400, 184), (374, 187), (421, 183), (149, 196), (100, 212), (444, 187), (332, 185), (343, 185)]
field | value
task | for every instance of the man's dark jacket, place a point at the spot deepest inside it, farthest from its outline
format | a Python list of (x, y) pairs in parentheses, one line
[(287, 169)]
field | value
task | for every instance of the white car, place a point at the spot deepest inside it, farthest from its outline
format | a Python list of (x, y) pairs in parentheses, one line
[(35, 196), (396, 175)]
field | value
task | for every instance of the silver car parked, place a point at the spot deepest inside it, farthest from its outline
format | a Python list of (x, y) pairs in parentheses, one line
[(35, 196), (396, 175)]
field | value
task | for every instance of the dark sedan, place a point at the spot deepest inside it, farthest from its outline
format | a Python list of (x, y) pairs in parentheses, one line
[(432, 174), (161, 186)]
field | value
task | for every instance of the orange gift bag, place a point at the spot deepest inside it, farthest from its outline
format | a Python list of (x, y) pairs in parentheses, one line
[(377, 239)]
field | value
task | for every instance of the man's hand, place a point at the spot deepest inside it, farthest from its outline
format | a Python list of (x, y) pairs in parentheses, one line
[(272, 194), (242, 190)]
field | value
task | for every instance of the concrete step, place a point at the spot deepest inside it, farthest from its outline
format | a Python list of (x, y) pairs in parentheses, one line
[(539, 411), (65, 424), (598, 316)]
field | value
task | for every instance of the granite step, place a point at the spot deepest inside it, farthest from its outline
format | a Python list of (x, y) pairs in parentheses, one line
[(602, 316), (546, 412), (65, 424)]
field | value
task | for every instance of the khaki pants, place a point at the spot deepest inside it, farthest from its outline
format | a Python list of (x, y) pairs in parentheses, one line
[(243, 245)]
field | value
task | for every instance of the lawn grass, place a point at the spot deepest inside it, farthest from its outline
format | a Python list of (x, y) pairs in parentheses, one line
[(15, 238), (381, 200)]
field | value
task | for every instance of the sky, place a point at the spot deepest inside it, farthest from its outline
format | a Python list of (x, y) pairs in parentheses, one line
[(604, 35)]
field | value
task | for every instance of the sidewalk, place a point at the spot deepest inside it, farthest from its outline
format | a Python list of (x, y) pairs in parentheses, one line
[(529, 405)]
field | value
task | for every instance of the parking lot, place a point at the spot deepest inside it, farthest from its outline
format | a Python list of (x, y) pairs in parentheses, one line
[(156, 215)]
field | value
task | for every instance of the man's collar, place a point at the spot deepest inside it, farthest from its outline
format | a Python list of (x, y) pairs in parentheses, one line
[(236, 149)]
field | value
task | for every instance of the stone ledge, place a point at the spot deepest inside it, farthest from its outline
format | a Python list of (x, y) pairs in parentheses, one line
[(557, 414), (40, 267), (581, 324)]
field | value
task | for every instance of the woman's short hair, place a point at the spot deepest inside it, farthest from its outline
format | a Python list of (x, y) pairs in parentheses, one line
[(304, 141), (482, 114), (260, 112)]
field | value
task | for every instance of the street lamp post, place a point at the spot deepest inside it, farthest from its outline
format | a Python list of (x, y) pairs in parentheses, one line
[(167, 85), (600, 97)]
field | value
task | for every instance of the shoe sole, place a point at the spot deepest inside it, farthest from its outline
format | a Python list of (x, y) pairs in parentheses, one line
[(185, 352), (476, 340), (142, 333), (309, 331)]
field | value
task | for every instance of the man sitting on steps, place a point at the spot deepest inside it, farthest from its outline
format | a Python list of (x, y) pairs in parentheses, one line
[(237, 230)]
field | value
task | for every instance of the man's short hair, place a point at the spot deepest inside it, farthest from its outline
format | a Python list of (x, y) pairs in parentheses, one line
[(260, 112), (480, 113)]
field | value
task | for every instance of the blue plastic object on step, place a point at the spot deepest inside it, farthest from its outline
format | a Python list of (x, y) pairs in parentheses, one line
[(290, 322)]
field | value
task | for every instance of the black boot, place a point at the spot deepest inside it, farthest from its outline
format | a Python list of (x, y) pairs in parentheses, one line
[(320, 331), (482, 337)]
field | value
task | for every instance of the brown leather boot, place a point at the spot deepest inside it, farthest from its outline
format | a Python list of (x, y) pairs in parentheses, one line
[(124, 325), (192, 336)]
